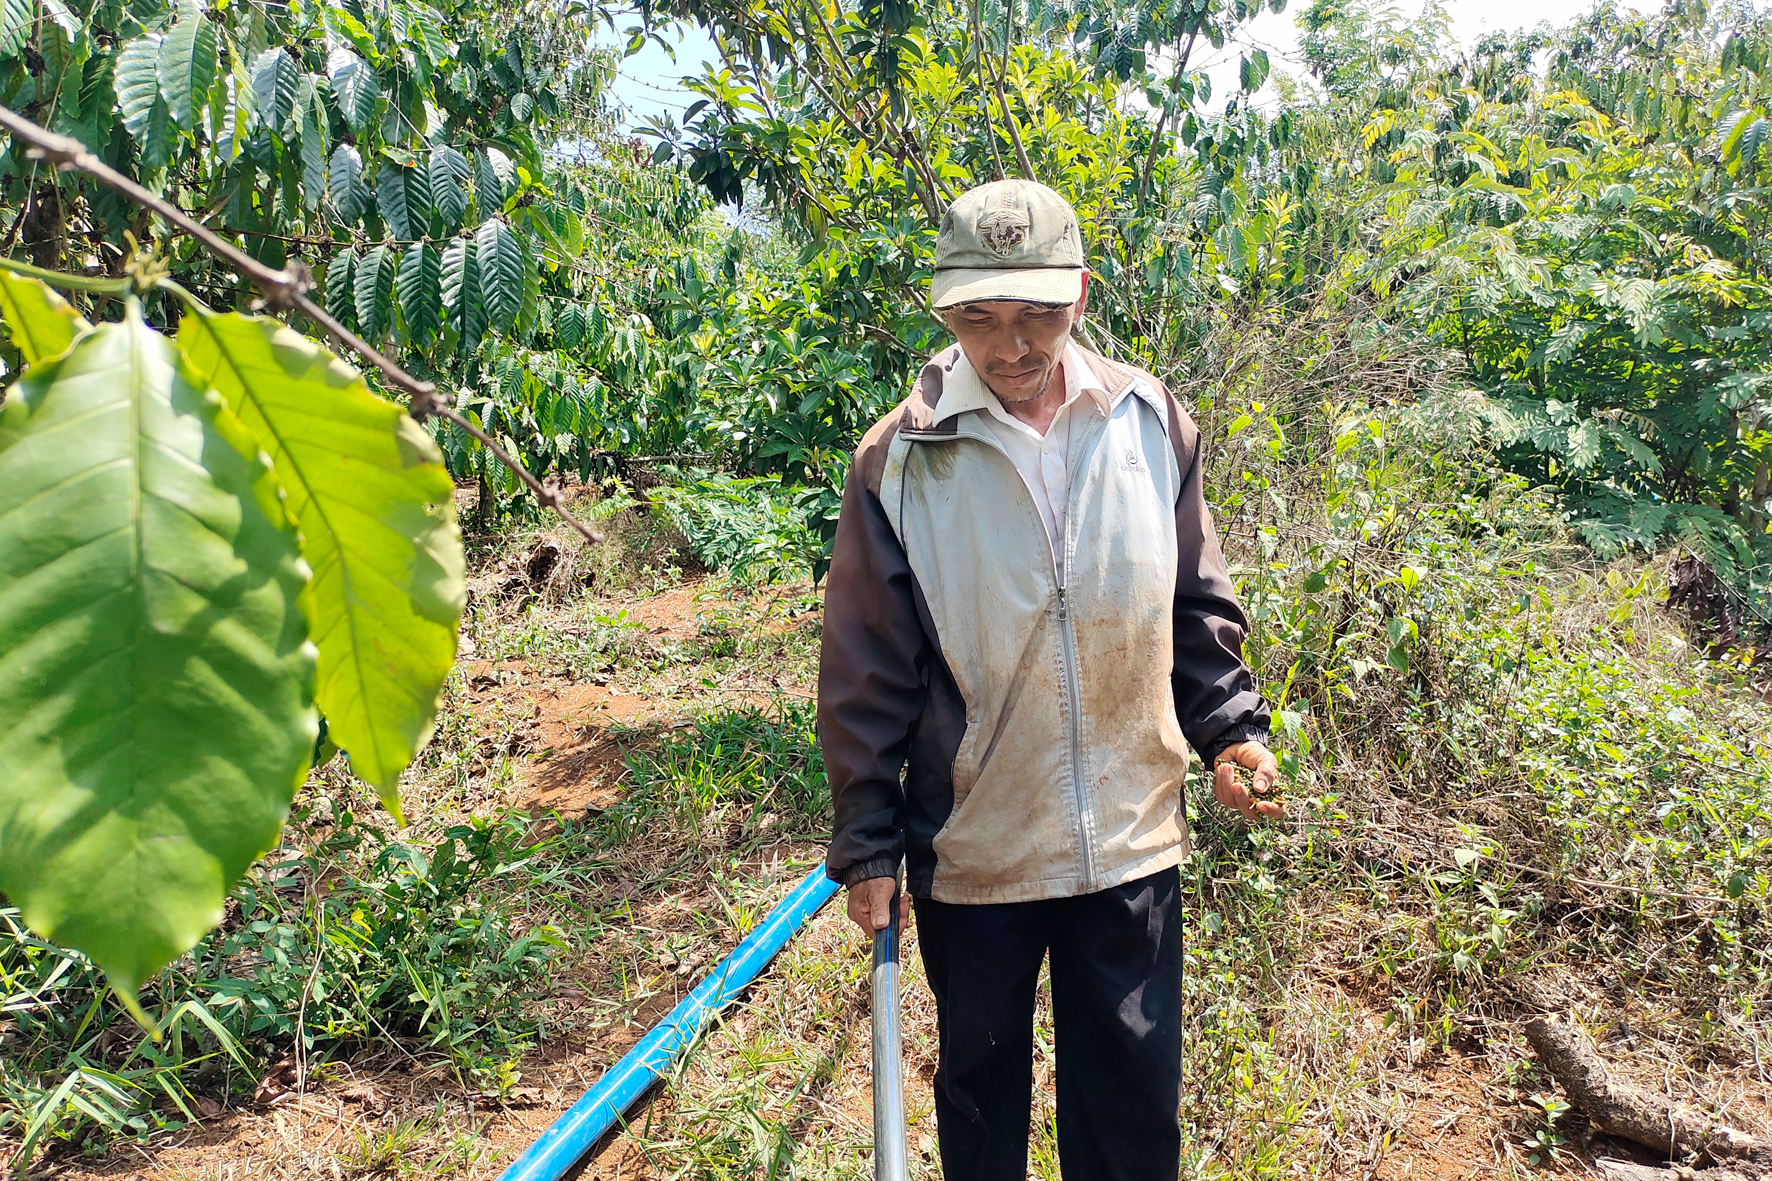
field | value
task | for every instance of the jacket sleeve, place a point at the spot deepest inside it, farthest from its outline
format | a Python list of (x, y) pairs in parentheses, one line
[(1215, 696), (871, 688)]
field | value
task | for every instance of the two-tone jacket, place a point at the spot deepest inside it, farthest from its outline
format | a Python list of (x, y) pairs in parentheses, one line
[(1008, 737)]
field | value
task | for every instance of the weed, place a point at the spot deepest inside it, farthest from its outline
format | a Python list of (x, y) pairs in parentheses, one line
[(420, 1146), (764, 764), (421, 946)]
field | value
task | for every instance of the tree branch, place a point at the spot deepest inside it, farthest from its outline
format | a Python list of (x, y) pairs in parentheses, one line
[(1021, 153), (978, 62), (1150, 157), (283, 290)]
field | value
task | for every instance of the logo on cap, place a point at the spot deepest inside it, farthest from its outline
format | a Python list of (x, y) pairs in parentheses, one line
[(1002, 230)]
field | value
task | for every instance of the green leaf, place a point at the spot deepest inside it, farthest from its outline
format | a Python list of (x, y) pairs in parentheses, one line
[(137, 82), (1252, 71), (420, 289), (344, 182), (501, 272), (341, 289), (62, 17), (239, 113), (426, 31), (570, 328), (354, 86), (160, 137), (155, 710), (17, 18), (187, 64), (376, 512), (313, 162), (450, 171), (42, 323), (403, 195), (463, 293), (374, 292), (495, 179), (275, 76)]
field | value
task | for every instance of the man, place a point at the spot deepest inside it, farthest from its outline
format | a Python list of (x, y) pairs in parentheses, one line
[(1028, 618)]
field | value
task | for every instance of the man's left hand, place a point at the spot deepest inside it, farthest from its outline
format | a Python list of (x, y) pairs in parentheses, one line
[(1260, 800)]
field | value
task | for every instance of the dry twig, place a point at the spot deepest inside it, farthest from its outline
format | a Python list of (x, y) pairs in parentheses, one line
[(283, 290)]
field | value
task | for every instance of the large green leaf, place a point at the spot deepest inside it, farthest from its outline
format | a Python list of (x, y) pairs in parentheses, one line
[(17, 19), (344, 182), (275, 76), (341, 287), (41, 322), (155, 678), (374, 292), (376, 511), (187, 64), (501, 272), (569, 329), (425, 30), (463, 295), (403, 195), (495, 179), (313, 161), (354, 86), (449, 185), (137, 82), (420, 292)]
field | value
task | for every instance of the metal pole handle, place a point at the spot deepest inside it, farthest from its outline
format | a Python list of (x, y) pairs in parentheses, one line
[(889, 1135)]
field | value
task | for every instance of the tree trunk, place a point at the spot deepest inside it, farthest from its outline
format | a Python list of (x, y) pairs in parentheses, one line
[(1627, 1111)]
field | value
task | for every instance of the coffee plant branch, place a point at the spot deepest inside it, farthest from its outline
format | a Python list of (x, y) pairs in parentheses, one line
[(283, 290)]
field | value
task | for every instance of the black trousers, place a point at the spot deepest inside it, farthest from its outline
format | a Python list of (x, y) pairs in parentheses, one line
[(1116, 1013)]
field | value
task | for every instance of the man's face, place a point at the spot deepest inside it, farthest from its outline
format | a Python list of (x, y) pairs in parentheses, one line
[(1014, 346)]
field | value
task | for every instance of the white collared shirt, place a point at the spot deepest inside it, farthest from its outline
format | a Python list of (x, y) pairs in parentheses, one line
[(1042, 460)]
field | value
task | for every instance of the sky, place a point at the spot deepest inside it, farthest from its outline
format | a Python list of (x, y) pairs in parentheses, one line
[(647, 84)]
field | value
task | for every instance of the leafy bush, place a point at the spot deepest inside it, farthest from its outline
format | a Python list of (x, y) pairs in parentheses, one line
[(755, 529), (404, 947), (356, 941)]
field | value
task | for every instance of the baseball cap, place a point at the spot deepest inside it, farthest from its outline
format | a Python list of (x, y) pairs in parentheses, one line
[(1010, 239)]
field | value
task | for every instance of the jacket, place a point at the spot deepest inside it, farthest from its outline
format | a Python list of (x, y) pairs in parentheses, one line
[(1012, 739)]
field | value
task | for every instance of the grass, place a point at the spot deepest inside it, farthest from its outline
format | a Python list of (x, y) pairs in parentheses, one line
[(1516, 782)]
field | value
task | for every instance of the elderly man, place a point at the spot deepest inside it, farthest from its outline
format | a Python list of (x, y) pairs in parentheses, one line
[(1028, 622)]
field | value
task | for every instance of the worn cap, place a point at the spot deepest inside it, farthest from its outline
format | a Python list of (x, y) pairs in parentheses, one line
[(1010, 239)]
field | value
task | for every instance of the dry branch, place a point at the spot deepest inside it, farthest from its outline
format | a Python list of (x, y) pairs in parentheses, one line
[(282, 290), (1629, 1112), (1618, 1170)]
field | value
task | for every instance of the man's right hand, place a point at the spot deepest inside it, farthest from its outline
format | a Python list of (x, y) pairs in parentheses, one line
[(870, 905)]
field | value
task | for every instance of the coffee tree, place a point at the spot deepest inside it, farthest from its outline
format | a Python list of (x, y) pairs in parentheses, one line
[(213, 532)]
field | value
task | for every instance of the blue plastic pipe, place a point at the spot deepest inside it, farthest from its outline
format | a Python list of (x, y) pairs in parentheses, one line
[(573, 1134)]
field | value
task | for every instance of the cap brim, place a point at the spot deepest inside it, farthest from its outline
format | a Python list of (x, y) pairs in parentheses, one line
[(1034, 284)]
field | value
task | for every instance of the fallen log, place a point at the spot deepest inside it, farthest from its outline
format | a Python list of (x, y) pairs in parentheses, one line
[(1629, 1112), (1618, 1170)]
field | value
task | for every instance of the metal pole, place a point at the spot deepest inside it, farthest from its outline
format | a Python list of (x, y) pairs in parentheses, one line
[(889, 1137)]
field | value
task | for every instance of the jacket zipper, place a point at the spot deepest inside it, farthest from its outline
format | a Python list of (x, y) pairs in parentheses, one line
[(1067, 646), (1073, 701)]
